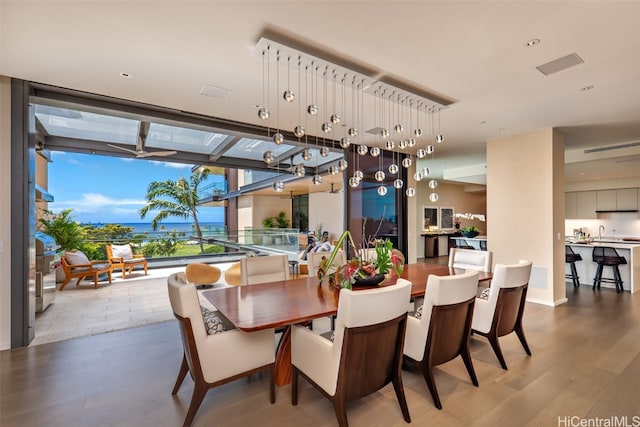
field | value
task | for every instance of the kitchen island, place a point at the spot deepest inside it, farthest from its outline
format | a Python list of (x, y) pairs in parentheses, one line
[(630, 272), (478, 242)]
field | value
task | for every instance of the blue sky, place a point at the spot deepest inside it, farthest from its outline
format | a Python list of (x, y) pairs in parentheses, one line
[(112, 189)]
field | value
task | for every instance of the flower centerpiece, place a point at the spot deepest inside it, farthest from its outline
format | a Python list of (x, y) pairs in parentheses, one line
[(359, 271)]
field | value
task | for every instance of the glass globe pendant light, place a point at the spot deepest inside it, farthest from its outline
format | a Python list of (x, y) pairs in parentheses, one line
[(299, 131), (418, 176), (389, 145), (268, 157), (299, 170), (324, 151), (363, 150), (306, 154), (433, 184), (398, 183), (379, 176), (422, 153), (382, 190), (317, 180), (342, 164), (410, 192), (407, 162), (354, 182), (345, 142), (263, 113), (433, 197), (312, 109), (288, 94), (374, 151), (393, 168), (278, 186), (358, 175)]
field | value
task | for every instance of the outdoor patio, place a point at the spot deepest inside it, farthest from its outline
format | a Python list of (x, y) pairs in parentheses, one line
[(138, 300)]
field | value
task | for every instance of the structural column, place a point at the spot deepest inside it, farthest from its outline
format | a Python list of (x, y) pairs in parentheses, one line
[(525, 208)]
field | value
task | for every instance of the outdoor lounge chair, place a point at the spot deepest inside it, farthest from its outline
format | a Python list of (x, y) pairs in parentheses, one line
[(122, 257)]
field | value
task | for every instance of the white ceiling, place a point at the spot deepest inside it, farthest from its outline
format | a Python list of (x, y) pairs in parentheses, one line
[(470, 53)]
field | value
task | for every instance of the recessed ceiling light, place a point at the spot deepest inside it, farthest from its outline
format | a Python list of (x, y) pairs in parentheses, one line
[(586, 88), (532, 43), (126, 75)]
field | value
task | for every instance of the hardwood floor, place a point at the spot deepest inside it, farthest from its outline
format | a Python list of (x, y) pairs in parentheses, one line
[(585, 363)]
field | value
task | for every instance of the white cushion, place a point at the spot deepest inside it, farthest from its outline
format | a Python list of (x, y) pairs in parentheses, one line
[(122, 251), (76, 258)]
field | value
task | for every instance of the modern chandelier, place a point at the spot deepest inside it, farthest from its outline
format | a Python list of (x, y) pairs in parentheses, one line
[(334, 101)]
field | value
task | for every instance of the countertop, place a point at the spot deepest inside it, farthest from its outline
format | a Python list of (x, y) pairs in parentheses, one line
[(618, 244)]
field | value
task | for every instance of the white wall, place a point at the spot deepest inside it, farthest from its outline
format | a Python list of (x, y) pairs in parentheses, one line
[(327, 209), (5, 213)]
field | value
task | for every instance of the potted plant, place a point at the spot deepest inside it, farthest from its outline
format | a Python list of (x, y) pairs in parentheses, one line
[(62, 227), (470, 232), (358, 272)]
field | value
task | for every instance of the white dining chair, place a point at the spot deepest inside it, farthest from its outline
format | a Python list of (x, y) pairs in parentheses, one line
[(214, 357), (263, 269)]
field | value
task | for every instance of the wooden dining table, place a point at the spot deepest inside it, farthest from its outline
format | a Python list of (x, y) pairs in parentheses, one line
[(298, 301)]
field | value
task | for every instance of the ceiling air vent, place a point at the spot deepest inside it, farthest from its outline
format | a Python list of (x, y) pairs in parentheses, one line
[(560, 64), (214, 91), (612, 147)]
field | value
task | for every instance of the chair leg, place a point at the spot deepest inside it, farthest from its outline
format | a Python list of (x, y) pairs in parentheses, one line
[(95, 280), (523, 340), (493, 340), (598, 278), (294, 386), (466, 358), (427, 372), (341, 411), (574, 275), (399, 389), (272, 384), (199, 391), (617, 278), (184, 368)]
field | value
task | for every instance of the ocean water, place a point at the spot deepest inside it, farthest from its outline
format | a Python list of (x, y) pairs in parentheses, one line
[(185, 227)]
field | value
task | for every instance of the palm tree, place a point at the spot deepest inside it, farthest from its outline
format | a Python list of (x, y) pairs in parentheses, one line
[(176, 199)]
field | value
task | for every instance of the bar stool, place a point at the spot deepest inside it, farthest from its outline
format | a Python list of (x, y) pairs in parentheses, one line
[(608, 256), (571, 257)]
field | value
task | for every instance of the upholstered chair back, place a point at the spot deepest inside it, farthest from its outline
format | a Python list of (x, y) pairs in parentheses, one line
[(441, 291), (355, 309), (470, 259), (263, 269), (504, 276), (315, 258)]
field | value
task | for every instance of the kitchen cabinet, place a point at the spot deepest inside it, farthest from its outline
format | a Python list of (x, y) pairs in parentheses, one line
[(627, 199), (623, 199), (586, 204), (606, 200)]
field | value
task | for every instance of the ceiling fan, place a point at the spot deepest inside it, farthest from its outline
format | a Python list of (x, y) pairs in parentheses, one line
[(141, 153)]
